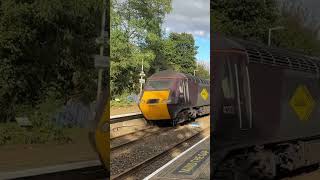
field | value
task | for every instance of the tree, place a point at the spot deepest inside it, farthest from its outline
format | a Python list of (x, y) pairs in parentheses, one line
[(136, 36), (251, 19), (248, 19), (46, 44), (176, 52), (301, 29), (135, 27), (183, 52), (203, 71)]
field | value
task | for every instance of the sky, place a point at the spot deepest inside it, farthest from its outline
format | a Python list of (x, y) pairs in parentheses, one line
[(193, 17)]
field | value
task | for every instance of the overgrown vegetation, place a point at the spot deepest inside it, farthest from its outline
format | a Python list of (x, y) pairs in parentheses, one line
[(46, 59), (46, 45)]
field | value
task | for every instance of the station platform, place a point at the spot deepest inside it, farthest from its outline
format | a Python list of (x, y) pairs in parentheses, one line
[(194, 163)]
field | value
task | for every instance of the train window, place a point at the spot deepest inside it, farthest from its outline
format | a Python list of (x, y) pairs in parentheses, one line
[(242, 76), (159, 84), (180, 87), (227, 82)]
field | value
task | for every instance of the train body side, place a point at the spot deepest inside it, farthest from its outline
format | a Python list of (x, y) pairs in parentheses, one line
[(266, 105), (274, 117), (271, 91)]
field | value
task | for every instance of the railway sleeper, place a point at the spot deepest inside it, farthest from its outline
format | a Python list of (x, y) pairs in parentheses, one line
[(270, 161)]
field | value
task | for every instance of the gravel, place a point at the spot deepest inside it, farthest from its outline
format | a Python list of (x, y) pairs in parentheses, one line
[(142, 173), (135, 136), (129, 156)]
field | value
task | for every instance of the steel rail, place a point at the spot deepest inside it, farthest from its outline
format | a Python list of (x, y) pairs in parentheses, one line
[(145, 163), (125, 117)]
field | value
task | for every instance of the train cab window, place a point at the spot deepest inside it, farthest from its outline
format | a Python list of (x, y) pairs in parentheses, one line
[(227, 81), (245, 95), (180, 87), (159, 84)]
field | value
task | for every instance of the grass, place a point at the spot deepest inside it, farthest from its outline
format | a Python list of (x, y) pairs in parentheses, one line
[(122, 101), (43, 130), (12, 133)]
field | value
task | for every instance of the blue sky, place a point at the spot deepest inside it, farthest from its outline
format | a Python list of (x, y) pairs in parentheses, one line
[(204, 48), (192, 17)]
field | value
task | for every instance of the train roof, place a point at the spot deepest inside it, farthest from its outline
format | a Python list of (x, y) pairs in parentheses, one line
[(177, 75), (259, 53), (167, 74)]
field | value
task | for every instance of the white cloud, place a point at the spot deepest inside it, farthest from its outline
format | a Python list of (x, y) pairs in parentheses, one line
[(189, 16)]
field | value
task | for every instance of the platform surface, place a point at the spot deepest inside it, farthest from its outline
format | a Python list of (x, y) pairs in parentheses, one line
[(194, 163)]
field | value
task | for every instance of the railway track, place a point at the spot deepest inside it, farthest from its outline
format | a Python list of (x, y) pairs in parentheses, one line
[(146, 133), (132, 133), (133, 170), (125, 117)]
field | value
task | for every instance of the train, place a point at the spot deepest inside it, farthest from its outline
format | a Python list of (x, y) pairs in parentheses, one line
[(99, 131), (172, 97), (265, 110)]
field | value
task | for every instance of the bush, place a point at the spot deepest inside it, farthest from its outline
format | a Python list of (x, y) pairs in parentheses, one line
[(43, 129)]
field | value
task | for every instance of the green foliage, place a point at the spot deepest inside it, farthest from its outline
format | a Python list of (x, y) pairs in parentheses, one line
[(136, 36), (121, 100), (248, 19), (46, 44), (251, 19), (202, 71), (179, 53), (134, 24), (301, 31)]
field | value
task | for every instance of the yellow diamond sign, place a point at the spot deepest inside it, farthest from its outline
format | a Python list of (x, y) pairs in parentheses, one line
[(302, 103), (204, 94)]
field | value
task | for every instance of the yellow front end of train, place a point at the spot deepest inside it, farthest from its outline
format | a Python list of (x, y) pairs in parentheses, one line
[(153, 105), (100, 132), (102, 136)]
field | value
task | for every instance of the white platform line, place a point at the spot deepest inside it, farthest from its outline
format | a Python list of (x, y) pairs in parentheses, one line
[(49, 169), (170, 162), (125, 115)]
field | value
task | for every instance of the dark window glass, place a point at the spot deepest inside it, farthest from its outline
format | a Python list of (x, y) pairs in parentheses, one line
[(159, 84), (227, 82)]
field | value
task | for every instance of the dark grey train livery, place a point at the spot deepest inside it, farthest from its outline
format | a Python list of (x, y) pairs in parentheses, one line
[(266, 110), (174, 97)]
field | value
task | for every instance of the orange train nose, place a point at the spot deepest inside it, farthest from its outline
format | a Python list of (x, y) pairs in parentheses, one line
[(153, 105)]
